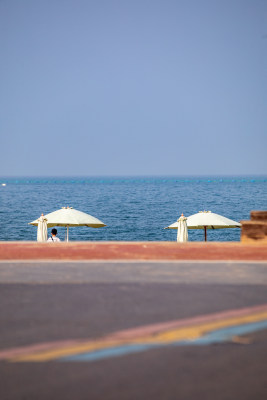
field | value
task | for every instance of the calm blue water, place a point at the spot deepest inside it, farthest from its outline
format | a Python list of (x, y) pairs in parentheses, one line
[(133, 208)]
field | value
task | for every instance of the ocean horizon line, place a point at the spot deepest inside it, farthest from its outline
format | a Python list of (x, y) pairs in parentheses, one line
[(130, 177)]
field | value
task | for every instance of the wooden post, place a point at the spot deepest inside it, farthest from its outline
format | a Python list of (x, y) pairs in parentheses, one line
[(205, 230)]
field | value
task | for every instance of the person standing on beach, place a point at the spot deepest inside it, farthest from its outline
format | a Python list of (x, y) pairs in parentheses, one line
[(53, 237)]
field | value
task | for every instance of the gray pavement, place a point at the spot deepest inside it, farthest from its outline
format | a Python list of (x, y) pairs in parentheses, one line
[(47, 301), (134, 271)]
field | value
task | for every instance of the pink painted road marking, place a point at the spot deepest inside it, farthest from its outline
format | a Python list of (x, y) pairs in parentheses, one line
[(129, 334)]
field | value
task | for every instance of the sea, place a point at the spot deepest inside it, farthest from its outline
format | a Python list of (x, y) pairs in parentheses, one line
[(133, 208)]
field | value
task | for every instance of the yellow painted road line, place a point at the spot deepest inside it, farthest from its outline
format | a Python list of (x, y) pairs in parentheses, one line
[(197, 331), (54, 354)]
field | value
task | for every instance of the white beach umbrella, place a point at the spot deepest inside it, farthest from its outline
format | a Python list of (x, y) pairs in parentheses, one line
[(182, 232), (207, 220), (42, 229), (68, 216)]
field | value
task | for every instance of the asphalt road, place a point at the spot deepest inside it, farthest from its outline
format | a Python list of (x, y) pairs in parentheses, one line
[(46, 301)]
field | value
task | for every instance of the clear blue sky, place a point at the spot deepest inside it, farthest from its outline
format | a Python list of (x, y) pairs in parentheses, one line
[(133, 87)]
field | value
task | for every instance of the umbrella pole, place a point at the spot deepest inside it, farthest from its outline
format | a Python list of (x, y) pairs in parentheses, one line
[(205, 230), (67, 233)]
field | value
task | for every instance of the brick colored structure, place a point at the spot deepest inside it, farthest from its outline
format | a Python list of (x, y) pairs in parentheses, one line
[(255, 230)]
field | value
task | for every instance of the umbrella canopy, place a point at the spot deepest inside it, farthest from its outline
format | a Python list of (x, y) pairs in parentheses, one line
[(207, 220), (68, 216), (42, 229), (182, 232)]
